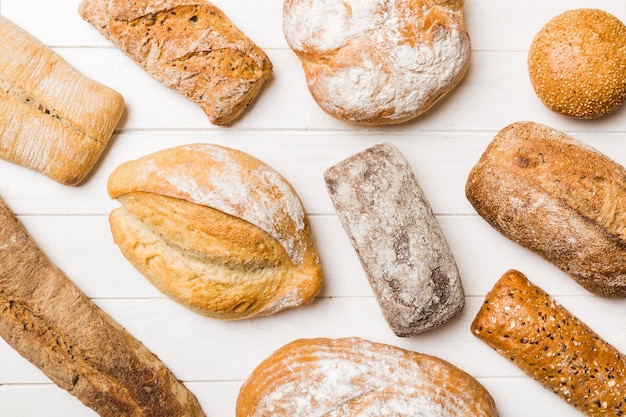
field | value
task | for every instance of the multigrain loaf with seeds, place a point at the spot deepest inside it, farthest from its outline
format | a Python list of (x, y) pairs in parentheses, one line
[(190, 46), (559, 198), (528, 327), (53, 119)]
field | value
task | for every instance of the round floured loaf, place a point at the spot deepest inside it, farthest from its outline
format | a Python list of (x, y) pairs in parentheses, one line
[(215, 229), (378, 62), (354, 377)]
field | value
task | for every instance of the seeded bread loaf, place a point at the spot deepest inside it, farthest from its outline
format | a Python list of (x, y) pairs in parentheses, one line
[(190, 46), (528, 327), (559, 198), (215, 229), (397, 238), (353, 377), (52, 324), (53, 119)]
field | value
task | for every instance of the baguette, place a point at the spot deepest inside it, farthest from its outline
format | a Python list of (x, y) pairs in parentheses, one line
[(527, 326), (397, 238), (52, 324), (215, 229), (53, 119), (354, 377), (559, 198), (190, 46)]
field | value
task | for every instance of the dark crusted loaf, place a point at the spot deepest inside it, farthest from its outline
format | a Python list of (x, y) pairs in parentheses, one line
[(52, 324), (559, 198), (397, 238), (189, 46), (527, 326)]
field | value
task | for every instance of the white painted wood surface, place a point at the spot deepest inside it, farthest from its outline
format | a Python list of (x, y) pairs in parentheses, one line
[(286, 129)]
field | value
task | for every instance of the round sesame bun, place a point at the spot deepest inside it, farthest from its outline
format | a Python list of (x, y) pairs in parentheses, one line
[(577, 63)]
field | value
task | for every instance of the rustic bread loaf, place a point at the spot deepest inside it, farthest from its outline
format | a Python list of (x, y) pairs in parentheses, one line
[(53, 119), (378, 62), (577, 63), (52, 324), (190, 46), (559, 198), (216, 230), (527, 326), (354, 377), (397, 238)]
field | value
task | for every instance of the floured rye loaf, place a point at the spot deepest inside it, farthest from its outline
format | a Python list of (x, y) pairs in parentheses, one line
[(353, 377), (189, 46), (397, 238), (377, 62), (53, 119), (559, 198), (215, 229), (52, 324), (528, 327)]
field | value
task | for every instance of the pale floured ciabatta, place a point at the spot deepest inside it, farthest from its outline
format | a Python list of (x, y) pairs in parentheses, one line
[(352, 377), (215, 229), (53, 119), (378, 62)]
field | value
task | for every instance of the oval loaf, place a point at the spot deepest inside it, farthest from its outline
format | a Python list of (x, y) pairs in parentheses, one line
[(352, 377), (215, 229), (559, 198)]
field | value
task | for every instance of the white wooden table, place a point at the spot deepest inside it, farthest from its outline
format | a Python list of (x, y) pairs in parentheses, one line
[(286, 129)]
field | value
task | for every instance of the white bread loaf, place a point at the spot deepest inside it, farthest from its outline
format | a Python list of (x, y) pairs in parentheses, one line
[(215, 229), (378, 62), (353, 377), (53, 119)]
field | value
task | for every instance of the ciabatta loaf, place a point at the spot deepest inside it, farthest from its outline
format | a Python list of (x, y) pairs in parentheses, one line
[(528, 327), (215, 229), (51, 323), (397, 238), (353, 377), (190, 46), (53, 119), (558, 197), (378, 62)]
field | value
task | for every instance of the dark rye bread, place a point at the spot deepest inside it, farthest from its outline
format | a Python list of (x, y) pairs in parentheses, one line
[(52, 324), (559, 198), (527, 326), (397, 239), (189, 46)]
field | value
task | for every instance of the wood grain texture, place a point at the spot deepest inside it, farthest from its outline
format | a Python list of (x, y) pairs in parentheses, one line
[(287, 130)]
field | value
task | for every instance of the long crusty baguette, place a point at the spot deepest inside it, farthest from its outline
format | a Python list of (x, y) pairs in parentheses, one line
[(558, 197), (354, 377), (527, 326), (189, 46), (52, 324), (215, 229), (401, 247), (53, 119)]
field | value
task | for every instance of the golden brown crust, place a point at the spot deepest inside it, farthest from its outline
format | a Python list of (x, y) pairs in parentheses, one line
[(350, 377), (215, 229), (577, 63), (51, 323), (558, 197), (527, 326), (189, 46), (53, 119)]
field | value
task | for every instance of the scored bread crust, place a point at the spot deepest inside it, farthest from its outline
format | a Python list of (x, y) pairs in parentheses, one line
[(559, 198), (355, 377), (190, 46), (217, 230), (52, 324), (53, 119), (528, 327), (376, 62)]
